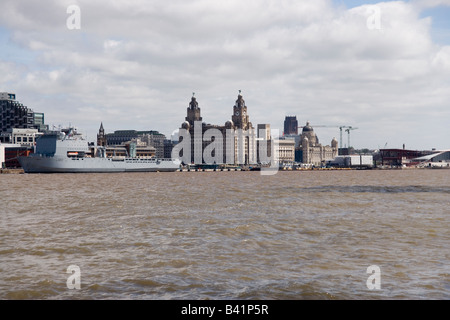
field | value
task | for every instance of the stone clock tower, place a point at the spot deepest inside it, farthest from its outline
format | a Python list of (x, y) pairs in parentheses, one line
[(101, 137), (240, 116), (193, 112)]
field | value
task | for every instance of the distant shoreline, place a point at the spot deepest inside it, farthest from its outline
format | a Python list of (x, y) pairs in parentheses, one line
[(21, 171), (12, 171)]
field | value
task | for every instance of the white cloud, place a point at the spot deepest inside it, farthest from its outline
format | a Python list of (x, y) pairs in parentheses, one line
[(441, 61), (135, 64)]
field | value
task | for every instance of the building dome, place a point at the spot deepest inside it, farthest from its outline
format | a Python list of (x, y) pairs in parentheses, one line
[(229, 124), (307, 128), (185, 125), (334, 143)]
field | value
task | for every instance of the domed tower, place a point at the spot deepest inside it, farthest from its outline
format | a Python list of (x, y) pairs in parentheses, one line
[(308, 132), (307, 128), (193, 111), (334, 143), (334, 148)]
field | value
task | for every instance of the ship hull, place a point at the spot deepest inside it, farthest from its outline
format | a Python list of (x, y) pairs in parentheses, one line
[(40, 164)]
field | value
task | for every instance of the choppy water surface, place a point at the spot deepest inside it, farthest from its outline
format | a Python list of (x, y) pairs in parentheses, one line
[(226, 235)]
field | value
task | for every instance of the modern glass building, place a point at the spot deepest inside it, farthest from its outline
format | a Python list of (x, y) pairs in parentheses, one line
[(14, 115)]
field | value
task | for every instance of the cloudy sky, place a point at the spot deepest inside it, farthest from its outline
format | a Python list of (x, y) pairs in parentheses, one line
[(382, 67)]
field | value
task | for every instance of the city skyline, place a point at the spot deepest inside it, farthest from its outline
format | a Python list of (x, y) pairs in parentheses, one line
[(381, 67)]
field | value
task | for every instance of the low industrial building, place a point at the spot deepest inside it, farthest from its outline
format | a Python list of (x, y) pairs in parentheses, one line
[(439, 159), (400, 157), (352, 161), (9, 154)]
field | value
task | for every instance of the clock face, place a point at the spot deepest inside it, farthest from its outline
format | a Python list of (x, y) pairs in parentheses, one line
[(236, 113)]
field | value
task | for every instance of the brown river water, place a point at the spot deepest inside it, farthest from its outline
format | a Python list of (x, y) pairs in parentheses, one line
[(226, 235)]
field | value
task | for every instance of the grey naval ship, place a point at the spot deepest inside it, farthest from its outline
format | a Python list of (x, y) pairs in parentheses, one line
[(66, 151)]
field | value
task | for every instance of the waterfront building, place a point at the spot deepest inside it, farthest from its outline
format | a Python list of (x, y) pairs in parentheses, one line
[(245, 145), (168, 147), (400, 157), (148, 143), (264, 131), (284, 148), (155, 140), (298, 153), (9, 154), (120, 136), (437, 159), (295, 137), (25, 137), (285, 151), (39, 122), (352, 161), (312, 151), (134, 149), (291, 132), (14, 114), (263, 143), (237, 136)]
